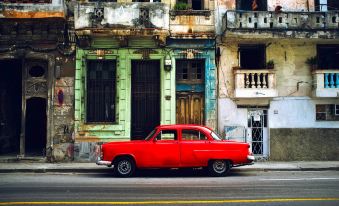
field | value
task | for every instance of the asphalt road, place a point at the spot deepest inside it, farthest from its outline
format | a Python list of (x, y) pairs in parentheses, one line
[(172, 188)]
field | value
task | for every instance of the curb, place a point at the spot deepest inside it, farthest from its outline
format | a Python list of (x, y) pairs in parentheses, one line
[(108, 170)]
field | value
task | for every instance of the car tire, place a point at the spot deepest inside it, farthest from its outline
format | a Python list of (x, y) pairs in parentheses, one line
[(124, 167), (218, 168)]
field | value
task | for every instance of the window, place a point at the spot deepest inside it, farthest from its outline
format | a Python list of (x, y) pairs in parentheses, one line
[(327, 112), (190, 135), (167, 135), (252, 56), (252, 5), (326, 5), (101, 91), (328, 56), (190, 71), (193, 4)]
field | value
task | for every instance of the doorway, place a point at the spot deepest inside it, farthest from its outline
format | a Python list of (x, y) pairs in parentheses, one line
[(257, 133), (10, 106), (35, 128), (190, 90), (145, 114)]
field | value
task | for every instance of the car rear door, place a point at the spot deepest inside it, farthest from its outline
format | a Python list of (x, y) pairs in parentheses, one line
[(194, 148)]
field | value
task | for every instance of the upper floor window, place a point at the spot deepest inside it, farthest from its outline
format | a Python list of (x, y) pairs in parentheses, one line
[(100, 91), (252, 5), (252, 56), (146, 0), (190, 71), (190, 4), (326, 5), (328, 56)]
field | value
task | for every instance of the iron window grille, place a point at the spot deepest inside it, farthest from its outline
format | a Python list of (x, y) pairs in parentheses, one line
[(327, 112), (101, 91)]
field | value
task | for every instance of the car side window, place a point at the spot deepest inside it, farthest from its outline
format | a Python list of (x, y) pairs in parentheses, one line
[(167, 135), (191, 135)]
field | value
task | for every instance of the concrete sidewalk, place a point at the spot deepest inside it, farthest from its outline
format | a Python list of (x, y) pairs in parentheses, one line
[(93, 168)]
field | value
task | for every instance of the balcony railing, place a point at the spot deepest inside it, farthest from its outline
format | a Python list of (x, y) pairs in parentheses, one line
[(326, 83), (255, 83), (270, 20)]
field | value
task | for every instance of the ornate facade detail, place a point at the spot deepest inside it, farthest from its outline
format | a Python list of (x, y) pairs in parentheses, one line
[(36, 88), (145, 53)]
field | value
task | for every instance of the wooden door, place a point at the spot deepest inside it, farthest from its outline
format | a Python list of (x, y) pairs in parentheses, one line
[(145, 98), (190, 108)]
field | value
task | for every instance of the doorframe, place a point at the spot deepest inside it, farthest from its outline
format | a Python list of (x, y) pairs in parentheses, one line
[(22, 54)]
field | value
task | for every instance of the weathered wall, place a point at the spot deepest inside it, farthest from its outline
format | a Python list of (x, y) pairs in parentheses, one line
[(63, 120), (287, 5), (122, 15), (304, 144), (289, 59)]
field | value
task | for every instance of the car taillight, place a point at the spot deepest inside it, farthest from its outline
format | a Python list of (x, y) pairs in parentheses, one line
[(249, 149)]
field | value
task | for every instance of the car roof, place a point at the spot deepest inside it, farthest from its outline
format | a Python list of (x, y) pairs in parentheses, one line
[(185, 126)]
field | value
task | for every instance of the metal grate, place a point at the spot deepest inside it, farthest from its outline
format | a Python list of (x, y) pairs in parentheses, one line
[(257, 121), (101, 91)]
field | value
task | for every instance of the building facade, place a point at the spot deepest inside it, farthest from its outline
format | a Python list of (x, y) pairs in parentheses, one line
[(75, 74), (269, 93), (36, 80)]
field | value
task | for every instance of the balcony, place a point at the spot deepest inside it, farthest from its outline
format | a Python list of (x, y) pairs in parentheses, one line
[(32, 9), (259, 83), (192, 24), (326, 83), (283, 24), (122, 19)]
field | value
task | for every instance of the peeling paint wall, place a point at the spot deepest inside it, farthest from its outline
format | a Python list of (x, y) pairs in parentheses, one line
[(122, 15)]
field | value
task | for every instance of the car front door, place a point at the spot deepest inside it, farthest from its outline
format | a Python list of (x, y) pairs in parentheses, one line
[(165, 149)]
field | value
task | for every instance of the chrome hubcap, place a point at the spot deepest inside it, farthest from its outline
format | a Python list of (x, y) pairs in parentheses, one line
[(219, 166), (124, 167)]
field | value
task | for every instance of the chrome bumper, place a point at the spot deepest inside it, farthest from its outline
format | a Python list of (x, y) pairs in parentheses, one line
[(103, 162), (250, 158)]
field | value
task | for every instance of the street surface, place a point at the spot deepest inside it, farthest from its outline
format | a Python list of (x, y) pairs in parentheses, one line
[(172, 187)]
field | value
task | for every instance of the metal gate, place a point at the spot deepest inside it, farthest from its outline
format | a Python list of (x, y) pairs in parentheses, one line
[(257, 133), (145, 97)]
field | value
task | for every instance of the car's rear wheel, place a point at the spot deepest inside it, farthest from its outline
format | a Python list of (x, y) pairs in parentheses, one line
[(219, 168), (124, 166)]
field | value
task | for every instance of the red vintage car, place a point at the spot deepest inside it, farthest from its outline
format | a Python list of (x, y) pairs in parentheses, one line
[(176, 146)]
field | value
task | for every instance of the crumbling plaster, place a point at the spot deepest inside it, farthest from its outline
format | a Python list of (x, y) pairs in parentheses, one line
[(122, 15), (287, 5), (289, 57)]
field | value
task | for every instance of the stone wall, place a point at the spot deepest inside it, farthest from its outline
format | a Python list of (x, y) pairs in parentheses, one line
[(304, 144)]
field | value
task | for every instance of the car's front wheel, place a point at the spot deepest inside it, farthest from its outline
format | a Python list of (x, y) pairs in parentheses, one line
[(124, 166), (219, 168)]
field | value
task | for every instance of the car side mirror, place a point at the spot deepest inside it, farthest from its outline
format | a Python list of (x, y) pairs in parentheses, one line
[(155, 139)]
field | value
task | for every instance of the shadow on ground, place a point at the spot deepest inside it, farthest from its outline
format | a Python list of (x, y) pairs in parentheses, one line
[(167, 173)]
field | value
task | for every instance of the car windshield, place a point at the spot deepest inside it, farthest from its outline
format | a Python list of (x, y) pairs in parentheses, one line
[(150, 135), (215, 136)]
